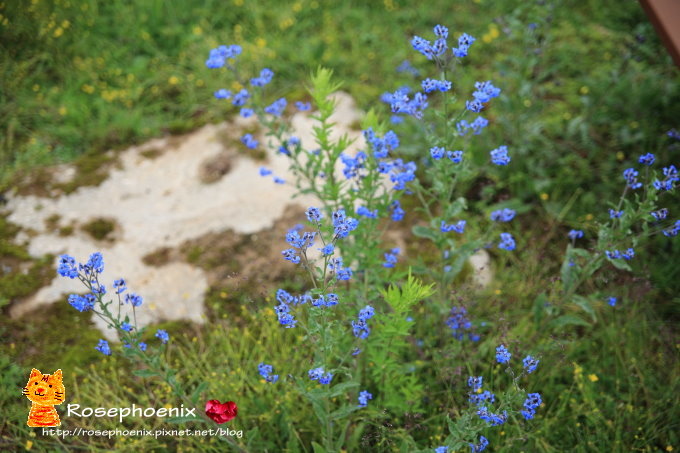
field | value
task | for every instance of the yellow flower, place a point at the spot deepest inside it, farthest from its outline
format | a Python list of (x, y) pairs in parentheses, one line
[(593, 377), (62, 110), (545, 196), (173, 80), (29, 444), (58, 32), (584, 90)]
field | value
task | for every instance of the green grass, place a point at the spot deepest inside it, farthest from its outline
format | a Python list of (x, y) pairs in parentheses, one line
[(585, 93)]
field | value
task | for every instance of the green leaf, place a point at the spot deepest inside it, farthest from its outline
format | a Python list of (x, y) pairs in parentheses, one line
[(318, 448), (196, 394), (342, 388), (585, 306), (343, 412), (425, 232), (144, 373), (567, 320)]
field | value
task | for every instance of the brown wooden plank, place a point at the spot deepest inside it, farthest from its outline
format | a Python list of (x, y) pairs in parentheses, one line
[(665, 15)]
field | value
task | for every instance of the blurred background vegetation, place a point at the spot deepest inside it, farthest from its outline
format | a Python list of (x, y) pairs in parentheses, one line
[(587, 87)]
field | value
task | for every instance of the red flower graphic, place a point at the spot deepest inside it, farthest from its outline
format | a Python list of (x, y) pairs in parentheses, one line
[(221, 412)]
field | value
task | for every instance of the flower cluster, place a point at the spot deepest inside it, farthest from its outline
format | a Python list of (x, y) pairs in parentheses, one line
[(266, 372), (458, 227), (360, 328), (218, 57), (317, 374), (507, 242), (673, 230), (479, 123), (438, 152), (460, 325), (499, 156), (502, 354), (391, 258), (503, 215), (363, 398), (575, 234), (532, 402), (617, 255)]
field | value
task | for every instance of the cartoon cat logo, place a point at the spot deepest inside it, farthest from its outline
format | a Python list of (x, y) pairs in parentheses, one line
[(44, 391)]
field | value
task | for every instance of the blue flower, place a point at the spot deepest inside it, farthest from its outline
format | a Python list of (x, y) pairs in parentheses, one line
[(265, 171), (630, 175), (366, 313), (327, 250), (94, 265), (249, 141), (423, 46), (503, 215), (612, 301), (475, 383), (67, 266), (474, 105), (365, 212), (481, 446), (530, 364), (391, 258), (119, 285), (455, 156), (266, 372), (437, 152), (441, 31), (661, 214), (613, 214), (265, 77), (277, 107), (241, 98), (464, 42), (670, 177), (647, 159), (459, 324), (134, 299), (442, 449), (430, 85), (479, 398), (315, 373), (363, 398), (507, 242), (494, 419), (502, 354), (499, 156), (291, 255), (672, 231), (82, 303), (360, 329), (485, 91), (397, 211), (326, 379), (222, 94), (219, 56), (246, 112), (142, 346), (575, 234), (278, 180), (314, 214), (162, 335), (103, 347), (126, 326), (303, 106), (458, 227)]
